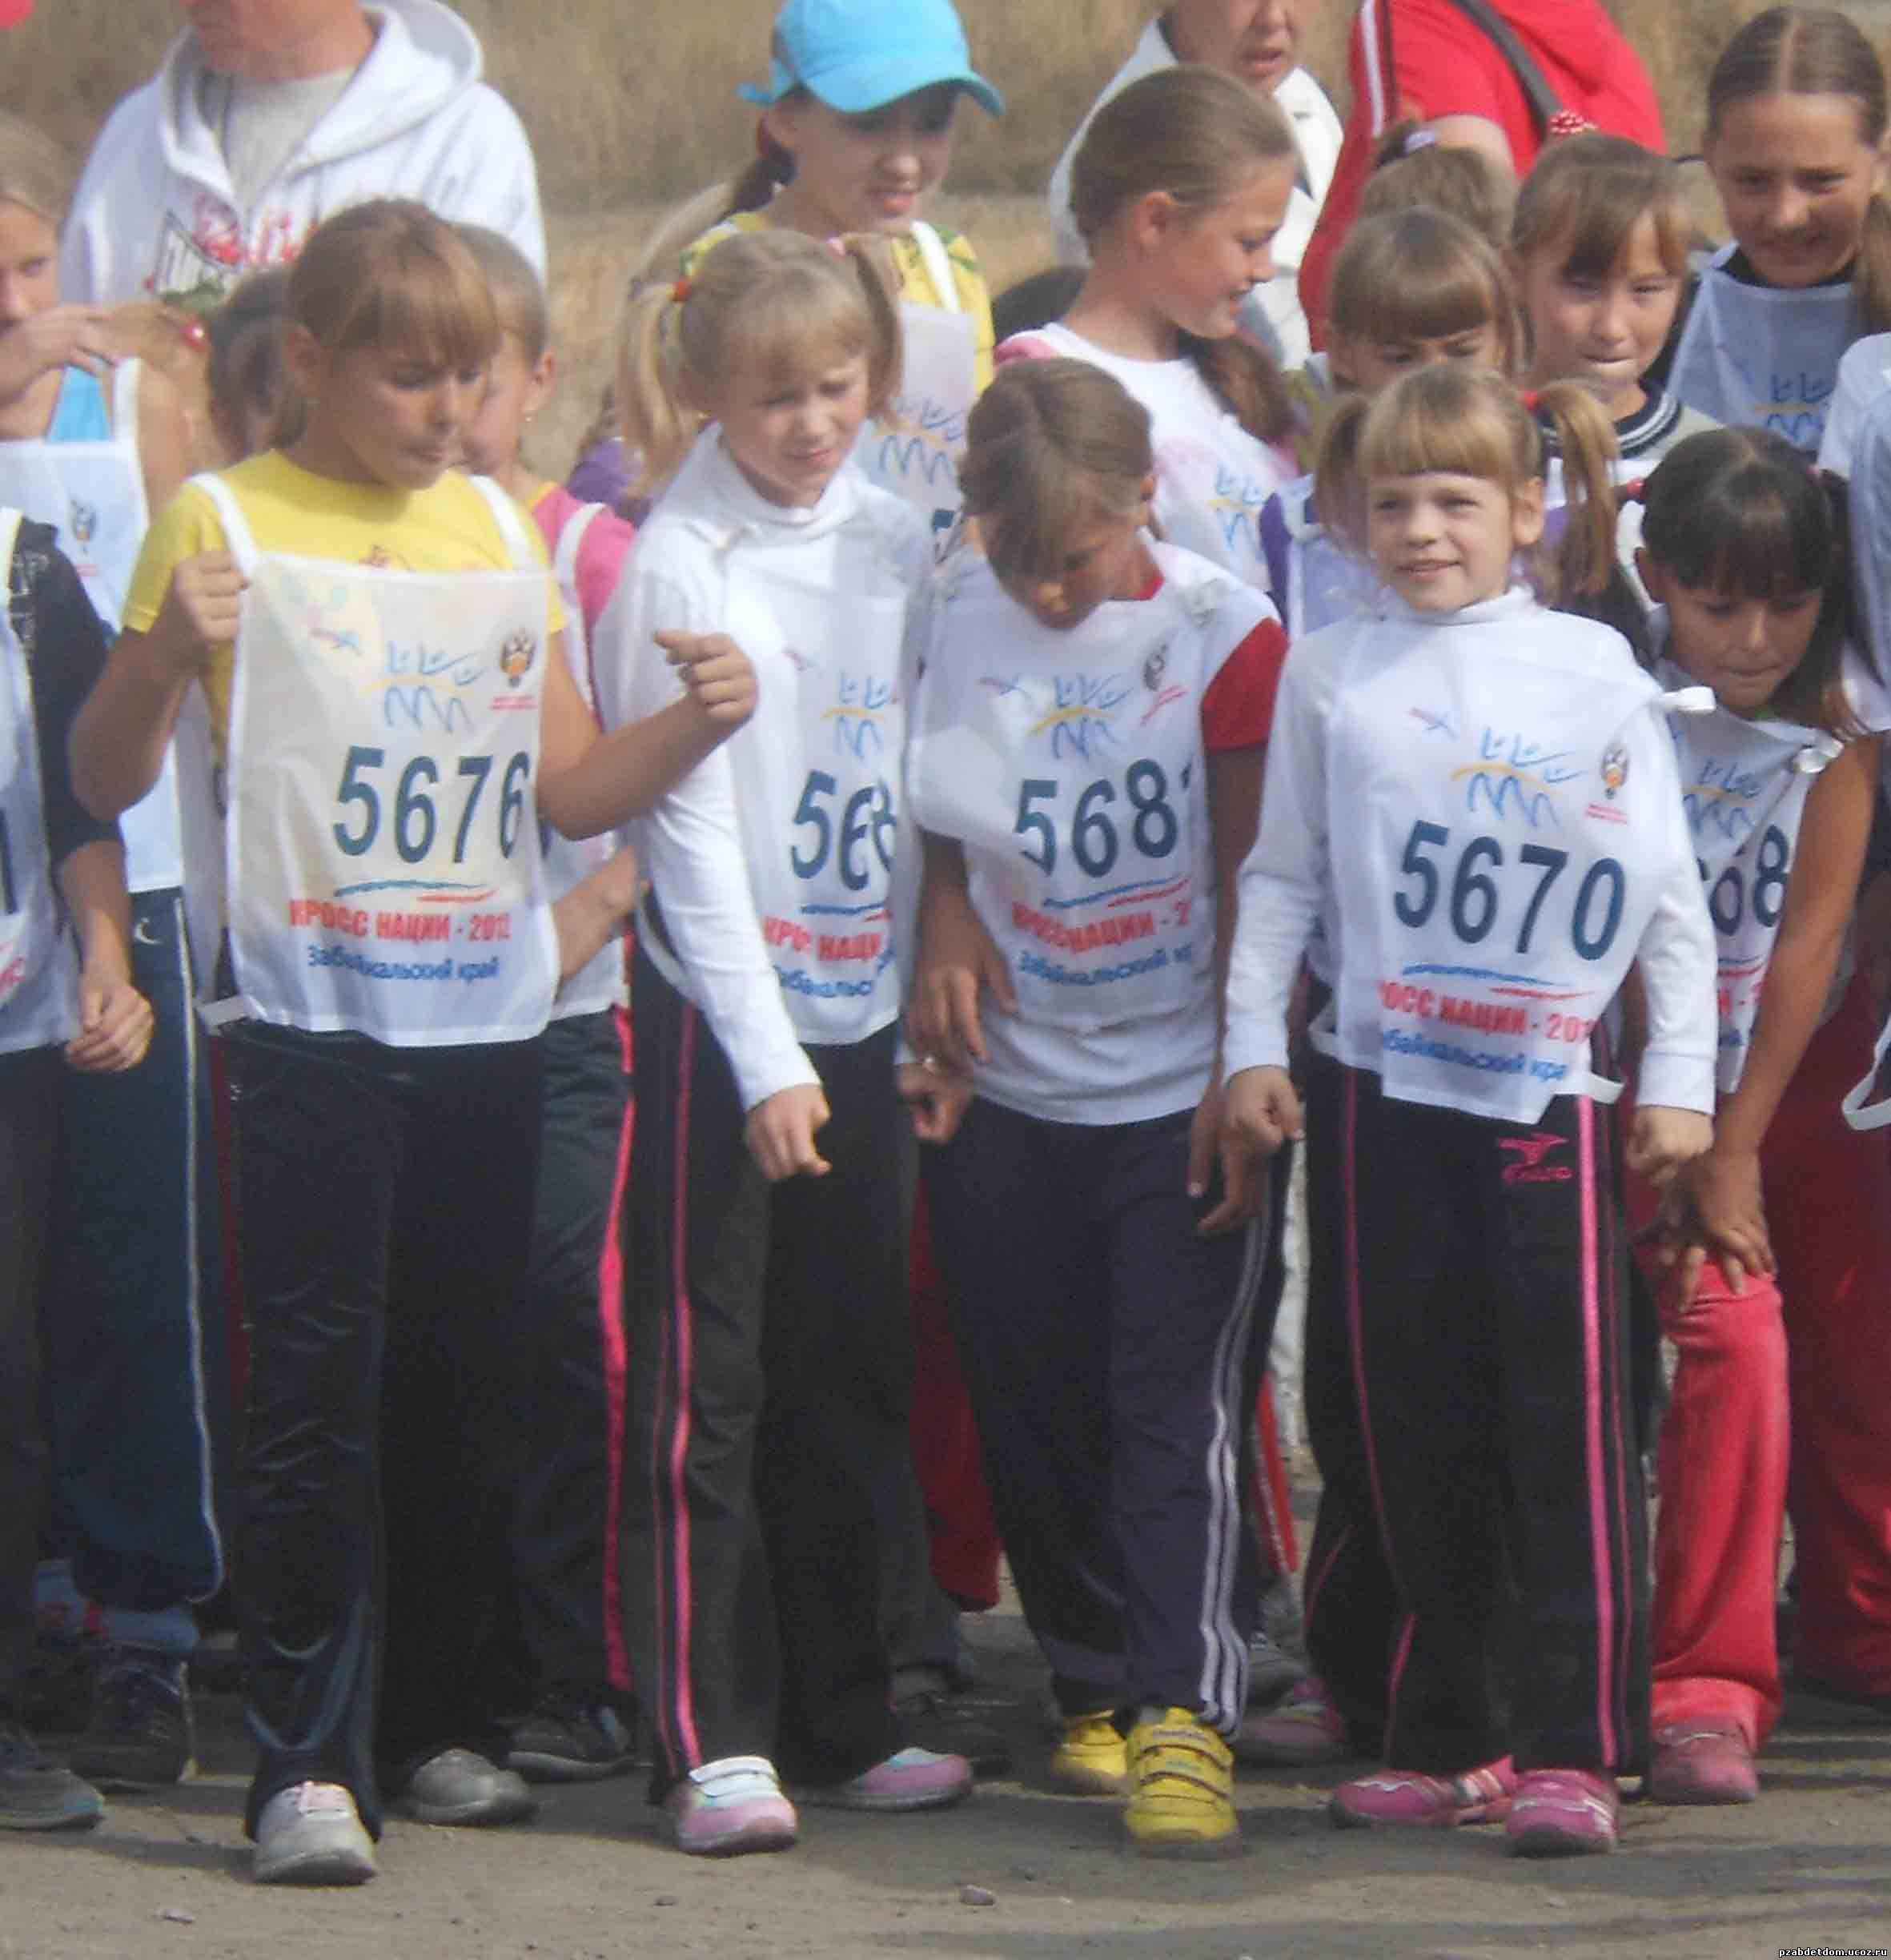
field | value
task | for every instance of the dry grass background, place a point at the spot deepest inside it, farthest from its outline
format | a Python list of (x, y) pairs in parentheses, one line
[(631, 105)]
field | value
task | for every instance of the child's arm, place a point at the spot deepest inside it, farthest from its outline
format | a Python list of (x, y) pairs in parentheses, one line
[(1234, 777), (1674, 1119), (115, 1020), (1281, 888), (958, 961), (1822, 887), (164, 441), (590, 783), (62, 336), (595, 911)]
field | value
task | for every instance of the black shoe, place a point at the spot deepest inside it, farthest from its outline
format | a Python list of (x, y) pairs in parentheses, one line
[(140, 1735), (572, 1735), (947, 1728), (36, 1793), (54, 1695)]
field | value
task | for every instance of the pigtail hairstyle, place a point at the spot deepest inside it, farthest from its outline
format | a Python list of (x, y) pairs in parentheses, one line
[(1801, 50), (776, 303), (1196, 136), (1050, 445), (1741, 513), (1585, 561), (1339, 483)]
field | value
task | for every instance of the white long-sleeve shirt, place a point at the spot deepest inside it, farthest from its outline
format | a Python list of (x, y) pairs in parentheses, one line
[(780, 890), (1532, 803)]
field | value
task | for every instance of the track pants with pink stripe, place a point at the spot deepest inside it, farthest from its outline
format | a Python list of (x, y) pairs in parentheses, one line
[(1483, 1268), (769, 1388)]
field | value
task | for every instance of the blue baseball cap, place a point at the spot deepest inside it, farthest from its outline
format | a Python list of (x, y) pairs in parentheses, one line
[(860, 55)]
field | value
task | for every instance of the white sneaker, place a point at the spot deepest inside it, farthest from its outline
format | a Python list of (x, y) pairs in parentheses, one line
[(311, 1834)]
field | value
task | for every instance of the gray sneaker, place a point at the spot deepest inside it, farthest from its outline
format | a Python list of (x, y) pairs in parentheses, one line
[(458, 1787), (310, 1835), (37, 1793)]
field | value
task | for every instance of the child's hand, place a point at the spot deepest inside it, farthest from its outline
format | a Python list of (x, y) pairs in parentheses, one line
[(1723, 1192), (937, 1099), (1243, 1187), (1665, 1140), (116, 1025), (62, 336), (202, 609), (958, 960), (1260, 1111), (717, 673), (780, 1133)]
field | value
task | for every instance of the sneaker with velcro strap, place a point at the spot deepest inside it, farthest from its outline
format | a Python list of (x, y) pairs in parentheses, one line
[(1411, 1798), (1564, 1813), (728, 1807), (1182, 1788)]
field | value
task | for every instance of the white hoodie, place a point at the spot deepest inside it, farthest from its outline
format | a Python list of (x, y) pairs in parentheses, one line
[(155, 214)]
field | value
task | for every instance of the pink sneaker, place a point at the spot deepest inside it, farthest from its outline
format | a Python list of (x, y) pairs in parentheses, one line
[(730, 1806), (1479, 1795), (1703, 1762), (915, 1779), (1304, 1727), (1563, 1813)]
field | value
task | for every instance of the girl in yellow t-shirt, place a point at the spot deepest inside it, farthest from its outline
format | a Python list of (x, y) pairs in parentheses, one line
[(376, 642)]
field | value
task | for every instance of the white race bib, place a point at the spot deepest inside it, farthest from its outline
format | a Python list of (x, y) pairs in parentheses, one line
[(914, 451), (599, 984), (38, 973), (820, 813), (1763, 356), (384, 868), (1070, 765), (1501, 830), (1744, 786), (92, 493)]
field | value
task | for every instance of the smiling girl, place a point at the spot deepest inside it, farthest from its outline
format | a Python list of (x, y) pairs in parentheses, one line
[(1795, 128), (1178, 188), (770, 1184), (1476, 799)]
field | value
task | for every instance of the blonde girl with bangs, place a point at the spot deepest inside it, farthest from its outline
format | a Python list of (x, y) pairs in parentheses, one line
[(1598, 245), (1178, 188), (1476, 799), (1413, 287), (1104, 1274), (360, 650), (770, 1195)]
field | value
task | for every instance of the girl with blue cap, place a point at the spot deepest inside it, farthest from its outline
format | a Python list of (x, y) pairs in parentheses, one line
[(856, 133)]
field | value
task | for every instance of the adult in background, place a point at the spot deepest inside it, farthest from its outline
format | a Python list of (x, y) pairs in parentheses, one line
[(1445, 63), (268, 115), (1258, 41)]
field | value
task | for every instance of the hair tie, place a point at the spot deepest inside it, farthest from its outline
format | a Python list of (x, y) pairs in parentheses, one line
[(1418, 140), (194, 335), (1636, 492), (1567, 122), (1531, 400), (683, 288)]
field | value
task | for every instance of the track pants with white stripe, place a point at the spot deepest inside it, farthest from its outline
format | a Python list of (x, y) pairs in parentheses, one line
[(770, 1377), (136, 1358), (1106, 1346), (1482, 1270)]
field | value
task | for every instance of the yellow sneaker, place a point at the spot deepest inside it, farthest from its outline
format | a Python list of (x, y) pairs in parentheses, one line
[(1093, 1758), (1182, 1790)]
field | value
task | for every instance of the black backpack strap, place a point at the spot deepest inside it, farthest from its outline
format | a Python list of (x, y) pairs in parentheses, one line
[(1545, 105)]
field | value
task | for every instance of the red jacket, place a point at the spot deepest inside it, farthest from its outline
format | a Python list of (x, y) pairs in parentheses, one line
[(1424, 59)]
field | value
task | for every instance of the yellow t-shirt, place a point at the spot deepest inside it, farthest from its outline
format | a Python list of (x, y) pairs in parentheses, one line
[(916, 279), (448, 527)]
